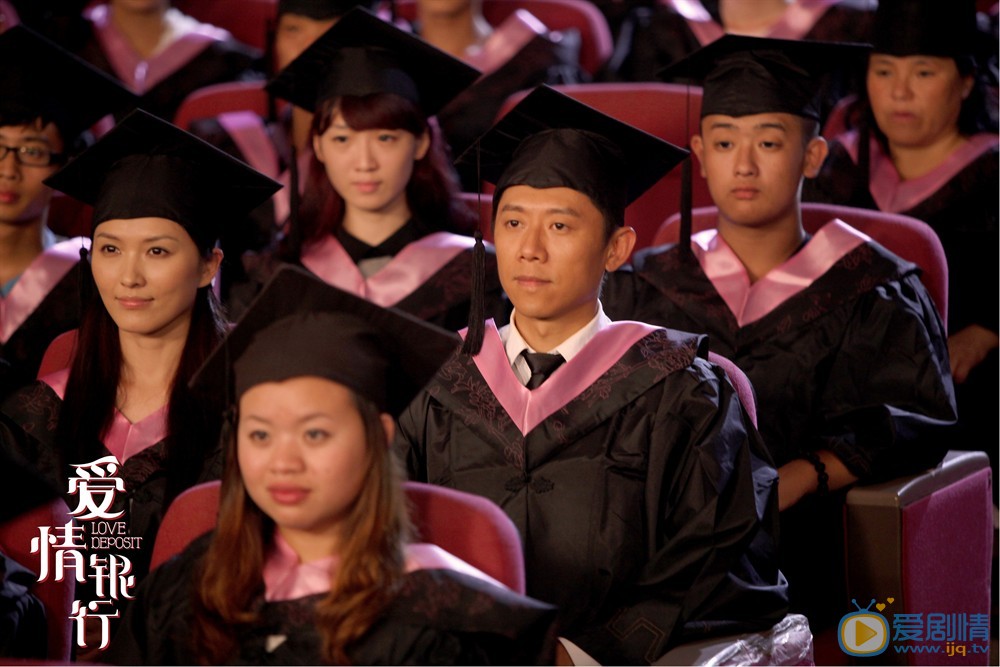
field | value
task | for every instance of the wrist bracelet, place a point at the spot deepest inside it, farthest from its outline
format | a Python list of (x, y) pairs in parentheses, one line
[(823, 487)]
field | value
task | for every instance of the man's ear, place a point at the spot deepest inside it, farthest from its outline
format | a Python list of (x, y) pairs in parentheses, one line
[(816, 152), (698, 148), (619, 248)]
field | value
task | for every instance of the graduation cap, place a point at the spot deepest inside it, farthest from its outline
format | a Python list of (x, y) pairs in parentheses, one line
[(39, 79), (300, 326), (146, 167), (743, 75), (925, 27), (362, 55), (321, 10), (552, 140)]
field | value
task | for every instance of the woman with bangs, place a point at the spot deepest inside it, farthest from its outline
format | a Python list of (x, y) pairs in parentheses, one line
[(311, 561), (123, 408), (380, 217)]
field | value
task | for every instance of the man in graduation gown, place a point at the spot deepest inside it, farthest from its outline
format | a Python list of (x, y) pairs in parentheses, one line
[(838, 336), (49, 98), (643, 494)]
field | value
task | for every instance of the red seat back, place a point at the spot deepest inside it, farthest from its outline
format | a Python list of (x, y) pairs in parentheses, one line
[(740, 382), (56, 596), (666, 110), (468, 526), (911, 239), (211, 101), (595, 35), (59, 354)]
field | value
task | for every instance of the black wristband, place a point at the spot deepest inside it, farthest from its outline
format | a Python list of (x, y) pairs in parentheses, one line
[(822, 476)]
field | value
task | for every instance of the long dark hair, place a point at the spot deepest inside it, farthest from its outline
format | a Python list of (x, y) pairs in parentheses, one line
[(230, 576), (431, 192), (91, 392)]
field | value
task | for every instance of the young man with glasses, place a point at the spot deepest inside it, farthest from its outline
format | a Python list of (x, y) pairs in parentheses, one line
[(48, 98)]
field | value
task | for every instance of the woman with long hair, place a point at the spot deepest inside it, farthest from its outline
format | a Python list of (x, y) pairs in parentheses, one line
[(380, 216), (311, 560), (927, 147), (150, 320)]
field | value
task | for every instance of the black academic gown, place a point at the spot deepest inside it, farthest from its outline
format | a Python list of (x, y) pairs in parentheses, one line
[(443, 299), (964, 214), (28, 431), (220, 62), (543, 59), (653, 35), (439, 617), (22, 615), (58, 312), (644, 500), (856, 363)]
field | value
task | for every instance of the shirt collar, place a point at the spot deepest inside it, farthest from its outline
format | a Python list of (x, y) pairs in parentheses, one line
[(514, 343)]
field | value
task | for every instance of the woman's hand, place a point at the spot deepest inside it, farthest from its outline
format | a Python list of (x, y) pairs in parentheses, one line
[(968, 348)]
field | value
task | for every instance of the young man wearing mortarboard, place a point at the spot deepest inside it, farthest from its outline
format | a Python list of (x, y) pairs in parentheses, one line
[(49, 98), (642, 492), (838, 336)]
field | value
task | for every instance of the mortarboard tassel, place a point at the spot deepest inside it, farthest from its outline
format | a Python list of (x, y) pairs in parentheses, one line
[(86, 278), (477, 308), (685, 233), (294, 228)]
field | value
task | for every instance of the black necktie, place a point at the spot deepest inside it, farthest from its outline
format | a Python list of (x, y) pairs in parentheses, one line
[(542, 365)]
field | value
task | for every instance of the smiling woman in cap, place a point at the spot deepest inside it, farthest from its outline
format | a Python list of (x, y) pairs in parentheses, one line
[(160, 198), (311, 562)]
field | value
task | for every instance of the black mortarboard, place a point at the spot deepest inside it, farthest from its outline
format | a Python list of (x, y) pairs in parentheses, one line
[(362, 55), (146, 167), (925, 27), (300, 326), (743, 75), (552, 140), (40, 79), (321, 9)]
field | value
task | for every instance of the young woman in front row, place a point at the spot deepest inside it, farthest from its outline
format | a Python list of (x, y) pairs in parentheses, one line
[(310, 561), (380, 216)]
